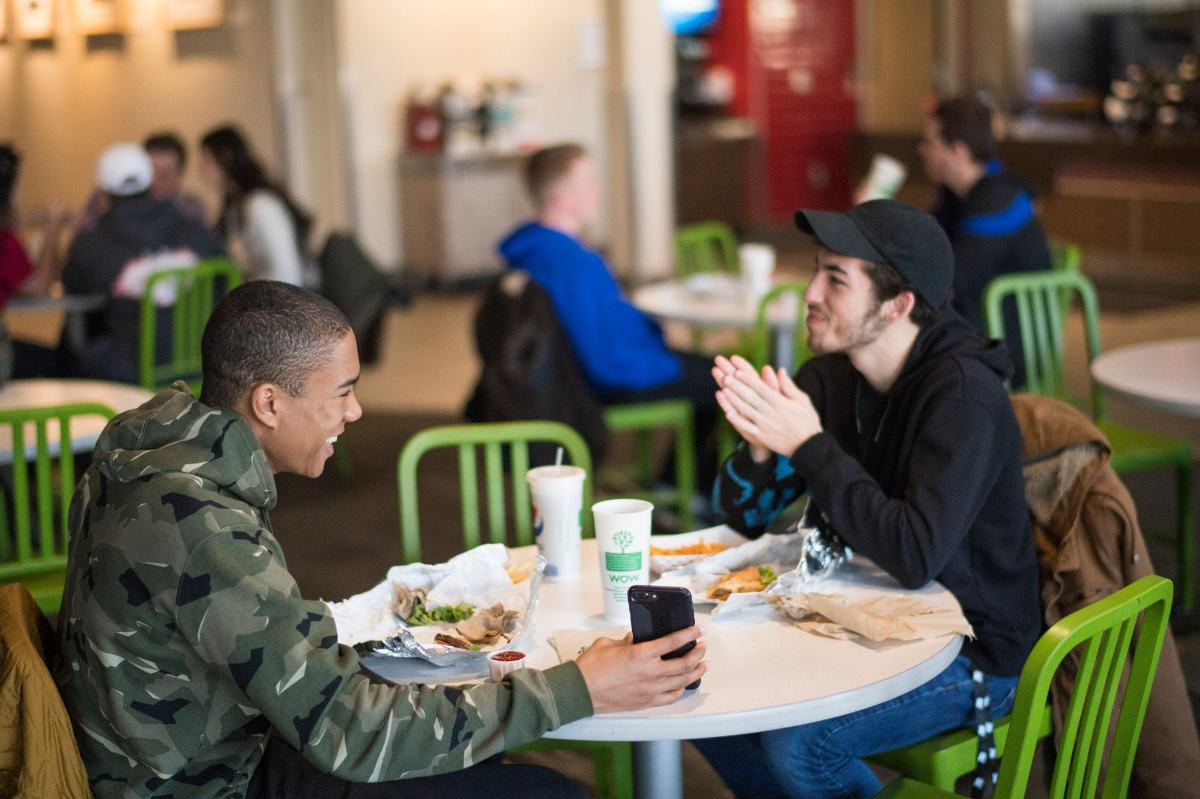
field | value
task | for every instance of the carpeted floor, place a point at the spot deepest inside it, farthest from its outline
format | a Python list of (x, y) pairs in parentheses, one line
[(341, 532)]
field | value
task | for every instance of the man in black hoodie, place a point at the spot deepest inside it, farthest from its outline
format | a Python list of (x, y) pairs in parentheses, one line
[(903, 437), (135, 237)]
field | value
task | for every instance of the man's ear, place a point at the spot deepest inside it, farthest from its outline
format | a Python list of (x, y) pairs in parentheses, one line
[(264, 404), (900, 306)]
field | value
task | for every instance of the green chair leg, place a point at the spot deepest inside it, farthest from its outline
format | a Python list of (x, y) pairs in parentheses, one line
[(642, 417), (612, 761), (1187, 537)]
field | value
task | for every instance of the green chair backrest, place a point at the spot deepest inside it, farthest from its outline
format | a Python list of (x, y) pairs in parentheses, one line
[(1041, 299), (41, 438), (762, 331), (1064, 256), (493, 437), (195, 290), (705, 247), (1104, 632)]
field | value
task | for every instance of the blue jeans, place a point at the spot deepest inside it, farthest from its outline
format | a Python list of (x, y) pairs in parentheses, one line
[(822, 759)]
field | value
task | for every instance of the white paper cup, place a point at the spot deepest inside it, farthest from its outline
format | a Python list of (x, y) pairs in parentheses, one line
[(504, 661), (623, 544), (884, 178), (557, 494), (757, 264)]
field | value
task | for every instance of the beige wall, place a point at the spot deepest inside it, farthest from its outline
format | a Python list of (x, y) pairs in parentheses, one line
[(388, 47), (62, 103), (895, 63)]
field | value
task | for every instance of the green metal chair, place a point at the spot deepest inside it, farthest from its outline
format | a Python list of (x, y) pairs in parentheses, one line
[(705, 247), (762, 331), (643, 419), (1065, 256), (613, 759), (1039, 298), (1103, 632), (196, 289), (702, 248), (33, 532)]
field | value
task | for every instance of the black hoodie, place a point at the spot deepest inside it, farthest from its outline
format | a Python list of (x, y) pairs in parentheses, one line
[(924, 480)]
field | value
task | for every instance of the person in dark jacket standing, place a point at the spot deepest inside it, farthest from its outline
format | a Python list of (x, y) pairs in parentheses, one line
[(903, 437), (137, 236), (985, 210)]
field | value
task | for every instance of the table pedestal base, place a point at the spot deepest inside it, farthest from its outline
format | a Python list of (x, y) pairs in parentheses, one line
[(657, 770)]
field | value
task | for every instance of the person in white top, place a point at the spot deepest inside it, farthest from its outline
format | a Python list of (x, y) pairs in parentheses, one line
[(263, 226)]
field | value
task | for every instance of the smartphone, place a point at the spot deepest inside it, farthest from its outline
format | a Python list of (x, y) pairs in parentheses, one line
[(655, 611)]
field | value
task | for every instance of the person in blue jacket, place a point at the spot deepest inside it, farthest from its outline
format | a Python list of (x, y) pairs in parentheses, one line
[(987, 213), (621, 351)]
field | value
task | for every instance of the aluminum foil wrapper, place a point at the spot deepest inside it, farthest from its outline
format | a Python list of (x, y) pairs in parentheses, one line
[(821, 554), (405, 645)]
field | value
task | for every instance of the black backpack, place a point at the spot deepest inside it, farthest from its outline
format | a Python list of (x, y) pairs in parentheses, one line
[(352, 282), (529, 371)]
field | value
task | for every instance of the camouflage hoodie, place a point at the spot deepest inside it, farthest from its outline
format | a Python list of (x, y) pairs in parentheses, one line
[(187, 639)]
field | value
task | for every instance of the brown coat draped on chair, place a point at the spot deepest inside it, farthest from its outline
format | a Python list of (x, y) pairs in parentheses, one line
[(38, 755), (1089, 545)]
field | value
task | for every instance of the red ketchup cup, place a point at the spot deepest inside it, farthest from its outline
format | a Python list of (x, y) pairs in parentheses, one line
[(504, 661)]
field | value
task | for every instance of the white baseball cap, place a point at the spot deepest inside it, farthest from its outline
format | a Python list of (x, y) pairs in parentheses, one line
[(124, 170)]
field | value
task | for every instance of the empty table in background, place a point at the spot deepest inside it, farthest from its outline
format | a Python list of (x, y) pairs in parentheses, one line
[(1162, 374), (719, 300)]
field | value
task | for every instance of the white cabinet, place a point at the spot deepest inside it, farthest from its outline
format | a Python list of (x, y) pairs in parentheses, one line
[(454, 211)]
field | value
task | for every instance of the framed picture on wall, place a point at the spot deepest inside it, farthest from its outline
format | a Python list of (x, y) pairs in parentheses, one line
[(191, 14), (34, 19), (94, 17)]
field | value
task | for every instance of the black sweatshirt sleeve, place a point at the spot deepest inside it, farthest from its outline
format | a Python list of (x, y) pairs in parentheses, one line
[(913, 537)]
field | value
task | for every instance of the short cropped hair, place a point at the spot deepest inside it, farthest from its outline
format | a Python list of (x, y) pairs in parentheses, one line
[(969, 120), (166, 142), (547, 167), (888, 283), (266, 331)]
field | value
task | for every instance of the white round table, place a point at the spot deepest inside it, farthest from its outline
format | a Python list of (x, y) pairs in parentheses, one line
[(1164, 374), (720, 301), (763, 673), (74, 307), (44, 393)]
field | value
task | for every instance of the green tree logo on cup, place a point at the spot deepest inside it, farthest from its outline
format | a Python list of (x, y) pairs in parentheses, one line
[(623, 561)]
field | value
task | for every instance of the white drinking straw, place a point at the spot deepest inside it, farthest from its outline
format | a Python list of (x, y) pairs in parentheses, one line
[(558, 458)]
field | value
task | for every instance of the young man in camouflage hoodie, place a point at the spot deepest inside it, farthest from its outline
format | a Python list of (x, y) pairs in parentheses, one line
[(190, 651)]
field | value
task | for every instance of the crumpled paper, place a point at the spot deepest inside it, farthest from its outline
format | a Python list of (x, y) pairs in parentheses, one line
[(477, 577), (569, 644), (876, 617)]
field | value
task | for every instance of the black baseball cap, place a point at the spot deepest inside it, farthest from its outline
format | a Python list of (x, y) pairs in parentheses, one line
[(890, 232)]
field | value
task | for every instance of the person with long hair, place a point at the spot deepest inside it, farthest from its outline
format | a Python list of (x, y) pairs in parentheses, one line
[(22, 276), (260, 222)]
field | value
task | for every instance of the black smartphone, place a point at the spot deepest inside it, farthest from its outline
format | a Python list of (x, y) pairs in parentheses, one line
[(658, 610)]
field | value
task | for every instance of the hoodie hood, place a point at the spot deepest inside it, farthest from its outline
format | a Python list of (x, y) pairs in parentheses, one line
[(527, 246), (950, 336), (175, 432)]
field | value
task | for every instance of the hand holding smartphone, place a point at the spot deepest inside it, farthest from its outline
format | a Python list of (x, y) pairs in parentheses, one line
[(655, 611)]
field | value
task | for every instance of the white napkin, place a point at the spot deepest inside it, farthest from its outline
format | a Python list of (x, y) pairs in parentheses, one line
[(476, 577)]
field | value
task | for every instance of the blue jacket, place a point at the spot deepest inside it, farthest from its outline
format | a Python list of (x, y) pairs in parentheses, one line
[(615, 343)]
